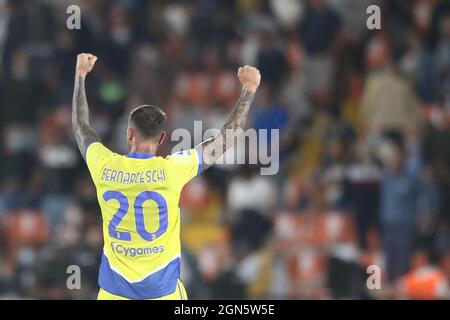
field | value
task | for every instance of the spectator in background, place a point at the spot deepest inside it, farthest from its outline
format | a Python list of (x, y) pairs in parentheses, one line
[(445, 266), (319, 28), (433, 72), (401, 186), (250, 199), (334, 171), (269, 113), (248, 190), (287, 12), (319, 34), (271, 59), (363, 199), (17, 33), (119, 37), (443, 60), (339, 137), (388, 102), (424, 281)]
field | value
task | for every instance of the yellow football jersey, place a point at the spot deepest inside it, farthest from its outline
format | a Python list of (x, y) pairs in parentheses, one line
[(139, 200)]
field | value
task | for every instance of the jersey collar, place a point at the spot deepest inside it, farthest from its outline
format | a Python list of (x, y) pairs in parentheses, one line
[(138, 155)]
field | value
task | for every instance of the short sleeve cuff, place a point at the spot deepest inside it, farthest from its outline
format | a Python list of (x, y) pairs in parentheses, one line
[(200, 160)]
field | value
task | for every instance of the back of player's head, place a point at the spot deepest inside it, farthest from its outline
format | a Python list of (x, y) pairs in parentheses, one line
[(148, 120)]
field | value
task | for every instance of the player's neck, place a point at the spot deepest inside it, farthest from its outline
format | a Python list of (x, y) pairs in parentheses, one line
[(144, 149)]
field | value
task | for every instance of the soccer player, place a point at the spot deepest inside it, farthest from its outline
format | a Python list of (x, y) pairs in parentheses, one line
[(139, 192)]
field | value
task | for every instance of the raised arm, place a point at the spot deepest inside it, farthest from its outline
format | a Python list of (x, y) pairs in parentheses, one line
[(84, 133), (215, 147)]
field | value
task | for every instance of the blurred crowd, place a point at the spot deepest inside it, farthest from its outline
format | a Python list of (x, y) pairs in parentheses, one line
[(364, 120)]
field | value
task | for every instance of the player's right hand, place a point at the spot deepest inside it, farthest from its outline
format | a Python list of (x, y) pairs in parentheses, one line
[(85, 63)]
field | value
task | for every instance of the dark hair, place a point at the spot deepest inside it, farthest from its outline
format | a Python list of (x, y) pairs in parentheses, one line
[(148, 120), (397, 138)]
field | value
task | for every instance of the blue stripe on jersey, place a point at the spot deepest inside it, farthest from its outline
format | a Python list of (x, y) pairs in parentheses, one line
[(138, 155), (200, 160), (180, 291), (158, 284)]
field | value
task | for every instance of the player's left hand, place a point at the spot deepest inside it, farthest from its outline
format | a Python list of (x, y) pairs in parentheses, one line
[(250, 78)]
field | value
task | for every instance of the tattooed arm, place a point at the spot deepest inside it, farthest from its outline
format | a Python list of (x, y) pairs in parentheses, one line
[(215, 147), (84, 133)]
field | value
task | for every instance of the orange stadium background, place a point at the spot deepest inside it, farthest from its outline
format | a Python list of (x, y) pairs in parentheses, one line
[(364, 120)]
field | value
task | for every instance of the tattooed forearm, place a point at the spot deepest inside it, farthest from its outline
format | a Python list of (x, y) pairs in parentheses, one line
[(215, 147), (84, 133)]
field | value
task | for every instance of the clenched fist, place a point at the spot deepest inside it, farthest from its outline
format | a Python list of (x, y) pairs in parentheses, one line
[(85, 63), (249, 77)]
